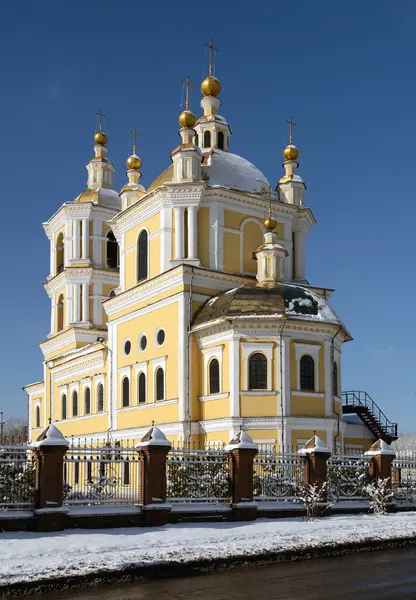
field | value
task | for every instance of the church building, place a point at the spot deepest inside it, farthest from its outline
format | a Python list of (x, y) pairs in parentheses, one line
[(187, 304)]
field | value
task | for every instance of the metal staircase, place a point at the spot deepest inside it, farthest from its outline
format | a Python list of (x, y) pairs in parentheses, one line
[(361, 404)]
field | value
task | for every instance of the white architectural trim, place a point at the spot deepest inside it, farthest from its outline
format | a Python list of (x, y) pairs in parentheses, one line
[(209, 354), (265, 348), (234, 375), (312, 350), (220, 396), (122, 373), (156, 363)]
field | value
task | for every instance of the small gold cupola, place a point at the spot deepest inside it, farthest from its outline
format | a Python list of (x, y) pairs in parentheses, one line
[(291, 186), (133, 190), (270, 256), (100, 170)]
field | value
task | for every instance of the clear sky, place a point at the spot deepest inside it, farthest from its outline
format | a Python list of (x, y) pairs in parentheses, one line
[(344, 70)]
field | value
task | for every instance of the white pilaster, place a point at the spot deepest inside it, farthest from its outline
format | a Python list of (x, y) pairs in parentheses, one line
[(53, 307), (76, 237), (69, 303), (68, 243), (52, 264), (234, 347), (85, 302), (183, 363), (76, 295), (328, 378), (300, 267), (192, 232), (179, 233), (98, 301), (97, 244), (85, 238)]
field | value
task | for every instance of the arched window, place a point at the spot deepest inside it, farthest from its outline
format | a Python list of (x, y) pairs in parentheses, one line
[(100, 397), (38, 416), (220, 138), (126, 392), (307, 373), (74, 403), (197, 140), (160, 384), (335, 379), (87, 401), (112, 251), (207, 139), (63, 407), (214, 376), (142, 252), (60, 313), (59, 253), (141, 385), (257, 372)]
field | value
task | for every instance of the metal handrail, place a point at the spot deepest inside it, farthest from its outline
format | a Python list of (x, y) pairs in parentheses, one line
[(361, 398)]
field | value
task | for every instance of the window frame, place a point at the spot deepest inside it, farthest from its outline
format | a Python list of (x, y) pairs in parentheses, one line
[(37, 416), (158, 370), (64, 404), (207, 135), (107, 241), (307, 358), (143, 231), (266, 348), (212, 361), (221, 133), (87, 396), (251, 387), (99, 384), (123, 392), (140, 389), (73, 393)]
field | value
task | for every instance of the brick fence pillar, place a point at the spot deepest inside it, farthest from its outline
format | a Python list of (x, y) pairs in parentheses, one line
[(154, 448), (316, 453), (49, 450), (381, 457), (242, 452)]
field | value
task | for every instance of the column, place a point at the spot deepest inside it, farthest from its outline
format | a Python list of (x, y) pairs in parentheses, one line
[(85, 238), (76, 296), (179, 237), (68, 243), (77, 227), (85, 302), (234, 347), (328, 379), (53, 307), (300, 271), (68, 304), (192, 232), (52, 268)]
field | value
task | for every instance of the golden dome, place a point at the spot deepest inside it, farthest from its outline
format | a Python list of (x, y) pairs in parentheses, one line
[(270, 224), (100, 138), (210, 86), (134, 162), (187, 119), (291, 152)]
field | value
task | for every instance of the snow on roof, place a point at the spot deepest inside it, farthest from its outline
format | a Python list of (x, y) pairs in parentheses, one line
[(235, 172)]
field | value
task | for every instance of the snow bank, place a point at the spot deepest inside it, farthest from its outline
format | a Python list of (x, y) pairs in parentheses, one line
[(28, 556)]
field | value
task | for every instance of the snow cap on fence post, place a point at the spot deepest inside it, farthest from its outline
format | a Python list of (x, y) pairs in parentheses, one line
[(381, 457), (315, 444), (51, 436), (316, 453), (241, 441), (153, 450)]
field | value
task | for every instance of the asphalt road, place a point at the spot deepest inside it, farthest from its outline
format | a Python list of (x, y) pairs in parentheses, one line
[(380, 575)]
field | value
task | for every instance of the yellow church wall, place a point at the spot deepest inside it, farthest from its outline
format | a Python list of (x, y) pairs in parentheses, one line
[(161, 296), (63, 349), (83, 426), (294, 365), (307, 406), (306, 434), (216, 436), (215, 409), (139, 417), (252, 239), (234, 220), (258, 406), (196, 389), (365, 442), (231, 252), (203, 236)]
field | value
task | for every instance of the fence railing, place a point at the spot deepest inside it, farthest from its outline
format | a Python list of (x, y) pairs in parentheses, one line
[(17, 477), (278, 476), (404, 476), (348, 474), (198, 475), (101, 475)]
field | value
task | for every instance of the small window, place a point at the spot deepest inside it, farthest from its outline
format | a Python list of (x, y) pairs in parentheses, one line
[(112, 251), (63, 407), (142, 342), (59, 249), (335, 379), (38, 416), (87, 401), (127, 347), (214, 376), (258, 372), (126, 392), (160, 384), (142, 388), (60, 315), (207, 139), (220, 140), (74, 403), (160, 338), (100, 397), (142, 256), (307, 373)]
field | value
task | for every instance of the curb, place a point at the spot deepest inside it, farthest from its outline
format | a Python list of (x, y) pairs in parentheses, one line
[(166, 570)]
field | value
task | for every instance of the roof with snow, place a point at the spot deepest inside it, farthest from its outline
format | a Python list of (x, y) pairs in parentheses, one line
[(254, 300)]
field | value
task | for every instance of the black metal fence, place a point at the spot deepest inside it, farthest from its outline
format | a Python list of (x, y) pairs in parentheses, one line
[(17, 477)]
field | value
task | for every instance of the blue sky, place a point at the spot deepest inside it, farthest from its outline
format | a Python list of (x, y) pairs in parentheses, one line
[(344, 70)]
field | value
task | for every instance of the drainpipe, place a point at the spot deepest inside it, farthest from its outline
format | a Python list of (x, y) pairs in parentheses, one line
[(187, 365), (332, 384), (102, 341), (282, 435)]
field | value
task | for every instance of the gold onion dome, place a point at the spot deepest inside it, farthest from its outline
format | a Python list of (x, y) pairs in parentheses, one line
[(270, 224), (134, 162), (187, 119), (100, 138), (291, 152), (210, 86)]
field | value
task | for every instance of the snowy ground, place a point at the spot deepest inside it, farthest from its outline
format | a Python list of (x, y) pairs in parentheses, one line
[(28, 556)]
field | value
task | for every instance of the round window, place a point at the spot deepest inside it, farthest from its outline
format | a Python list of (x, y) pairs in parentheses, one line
[(160, 337), (127, 347), (143, 342)]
